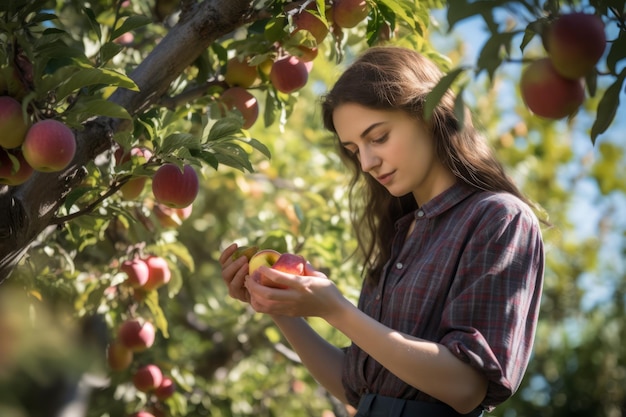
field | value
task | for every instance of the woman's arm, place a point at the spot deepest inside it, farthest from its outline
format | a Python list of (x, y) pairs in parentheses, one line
[(428, 366), (323, 360)]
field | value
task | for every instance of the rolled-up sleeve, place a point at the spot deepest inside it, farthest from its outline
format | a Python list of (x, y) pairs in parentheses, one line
[(491, 314)]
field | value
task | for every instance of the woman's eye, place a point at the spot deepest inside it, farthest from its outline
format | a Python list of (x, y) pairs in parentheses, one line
[(381, 139)]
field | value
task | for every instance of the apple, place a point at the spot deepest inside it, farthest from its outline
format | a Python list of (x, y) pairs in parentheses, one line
[(137, 271), (159, 273), (133, 188), (305, 20), (265, 257), (174, 187), (169, 217), (125, 39), (547, 94), (147, 378), (241, 99), (575, 42), (119, 357), (290, 263), (49, 146), (348, 13), (289, 74), (136, 335), (240, 73), (12, 123), (9, 173), (166, 389)]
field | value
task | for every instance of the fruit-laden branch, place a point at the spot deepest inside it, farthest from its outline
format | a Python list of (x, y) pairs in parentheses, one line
[(27, 211)]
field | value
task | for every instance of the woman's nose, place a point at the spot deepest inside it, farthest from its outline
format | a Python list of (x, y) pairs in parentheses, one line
[(368, 160)]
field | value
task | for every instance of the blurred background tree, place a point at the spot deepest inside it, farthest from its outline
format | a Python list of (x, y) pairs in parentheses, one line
[(278, 183)]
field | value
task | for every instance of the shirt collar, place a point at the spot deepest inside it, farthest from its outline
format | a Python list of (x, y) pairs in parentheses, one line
[(449, 198)]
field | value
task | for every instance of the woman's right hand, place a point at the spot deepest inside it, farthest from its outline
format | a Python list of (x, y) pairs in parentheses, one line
[(234, 272)]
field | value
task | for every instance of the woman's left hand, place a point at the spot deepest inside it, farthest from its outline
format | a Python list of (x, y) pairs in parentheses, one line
[(311, 295)]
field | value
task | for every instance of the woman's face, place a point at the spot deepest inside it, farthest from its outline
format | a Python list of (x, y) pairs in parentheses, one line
[(394, 148)]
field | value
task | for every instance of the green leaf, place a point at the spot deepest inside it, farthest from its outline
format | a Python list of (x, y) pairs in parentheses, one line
[(402, 9), (131, 23), (259, 147), (434, 97), (178, 141), (93, 76), (152, 302), (75, 195), (616, 53), (462, 9), (109, 50), (459, 109), (490, 56), (224, 127), (93, 21), (607, 108), (87, 107)]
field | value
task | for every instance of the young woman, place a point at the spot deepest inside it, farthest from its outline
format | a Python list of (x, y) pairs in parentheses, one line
[(454, 257)]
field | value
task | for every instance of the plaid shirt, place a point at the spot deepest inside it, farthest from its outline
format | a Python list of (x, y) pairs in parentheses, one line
[(469, 276)]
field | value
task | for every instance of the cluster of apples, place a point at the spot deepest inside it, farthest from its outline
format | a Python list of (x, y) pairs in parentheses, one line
[(553, 87), (135, 335), (145, 274), (288, 72), (285, 262), (46, 145)]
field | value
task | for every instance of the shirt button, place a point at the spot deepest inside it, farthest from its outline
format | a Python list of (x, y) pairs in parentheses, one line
[(399, 265), (420, 213)]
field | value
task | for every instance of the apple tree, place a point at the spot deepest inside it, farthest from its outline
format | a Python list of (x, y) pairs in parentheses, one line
[(175, 108)]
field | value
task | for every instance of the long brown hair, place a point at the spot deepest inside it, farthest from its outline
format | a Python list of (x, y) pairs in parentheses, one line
[(394, 78)]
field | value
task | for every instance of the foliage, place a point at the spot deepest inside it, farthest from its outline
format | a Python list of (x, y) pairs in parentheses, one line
[(280, 185)]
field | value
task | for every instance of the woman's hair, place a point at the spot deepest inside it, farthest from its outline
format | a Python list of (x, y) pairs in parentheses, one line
[(394, 78)]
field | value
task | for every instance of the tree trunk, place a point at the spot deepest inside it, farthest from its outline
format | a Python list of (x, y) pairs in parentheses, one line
[(28, 210)]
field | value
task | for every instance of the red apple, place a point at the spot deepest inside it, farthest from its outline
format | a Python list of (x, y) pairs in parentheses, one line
[(289, 74), (174, 187), (142, 414), (119, 357), (49, 146), (241, 99), (169, 217), (575, 42), (240, 73), (147, 378), (12, 123), (11, 174), (159, 273), (136, 335), (290, 263), (308, 21), (547, 94), (137, 271), (349, 13), (166, 389)]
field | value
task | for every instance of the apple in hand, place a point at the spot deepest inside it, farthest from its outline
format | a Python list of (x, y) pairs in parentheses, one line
[(266, 257), (548, 94), (12, 123), (175, 187), (49, 146), (575, 43)]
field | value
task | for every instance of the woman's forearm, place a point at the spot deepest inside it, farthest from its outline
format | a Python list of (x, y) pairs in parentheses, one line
[(323, 360)]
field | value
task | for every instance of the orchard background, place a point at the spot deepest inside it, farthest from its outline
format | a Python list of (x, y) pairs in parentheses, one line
[(151, 75)]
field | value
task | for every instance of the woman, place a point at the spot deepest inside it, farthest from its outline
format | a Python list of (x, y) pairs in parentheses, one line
[(454, 258)]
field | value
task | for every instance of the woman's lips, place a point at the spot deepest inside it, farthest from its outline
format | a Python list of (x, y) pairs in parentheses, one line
[(385, 178)]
